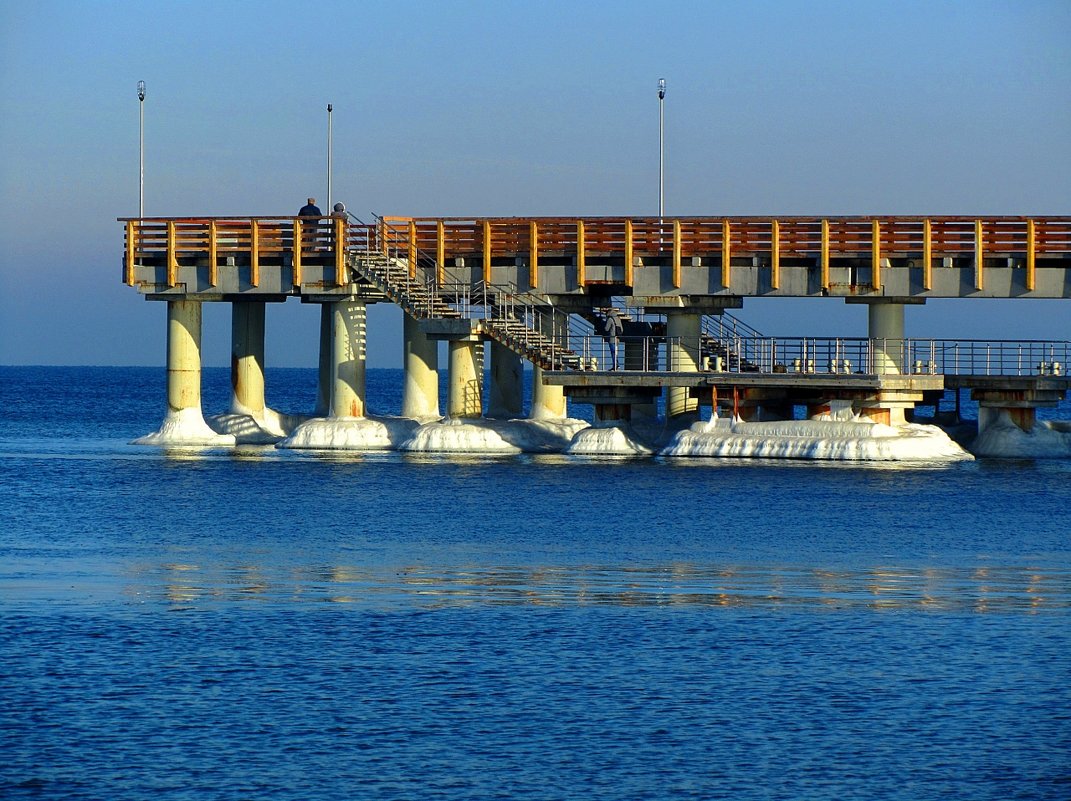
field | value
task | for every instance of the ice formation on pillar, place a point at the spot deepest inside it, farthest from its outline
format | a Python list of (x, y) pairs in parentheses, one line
[(1048, 439), (842, 440), (255, 429), (185, 427), (351, 433), (496, 437), (607, 440)]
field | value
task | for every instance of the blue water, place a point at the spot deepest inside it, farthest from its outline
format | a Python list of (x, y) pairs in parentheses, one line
[(260, 623)]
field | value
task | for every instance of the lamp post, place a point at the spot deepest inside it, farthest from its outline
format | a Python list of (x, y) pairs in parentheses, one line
[(141, 149), (330, 147), (661, 140)]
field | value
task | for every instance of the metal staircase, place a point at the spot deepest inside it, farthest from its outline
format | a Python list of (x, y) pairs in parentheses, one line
[(390, 276)]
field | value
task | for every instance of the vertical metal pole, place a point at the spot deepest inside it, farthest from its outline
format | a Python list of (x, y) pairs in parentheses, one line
[(330, 148), (661, 148), (141, 149)]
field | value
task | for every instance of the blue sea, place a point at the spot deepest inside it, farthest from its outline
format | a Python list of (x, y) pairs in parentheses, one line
[(265, 624)]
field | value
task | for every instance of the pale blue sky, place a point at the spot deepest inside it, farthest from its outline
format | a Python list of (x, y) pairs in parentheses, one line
[(503, 108)]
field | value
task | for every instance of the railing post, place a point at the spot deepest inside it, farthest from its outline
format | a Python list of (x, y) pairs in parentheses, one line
[(979, 256), (411, 251), (440, 252), (775, 255), (296, 256), (487, 251), (581, 264), (628, 253), (1031, 250), (212, 254), (677, 254), (927, 254), (726, 254), (128, 273), (875, 254), (533, 254), (340, 251), (825, 254), (254, 256), (172, 256)]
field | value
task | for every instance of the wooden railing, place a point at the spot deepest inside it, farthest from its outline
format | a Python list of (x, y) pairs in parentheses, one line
[(439, 240)]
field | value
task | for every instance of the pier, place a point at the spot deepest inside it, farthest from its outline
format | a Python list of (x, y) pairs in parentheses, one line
[(508, 290)]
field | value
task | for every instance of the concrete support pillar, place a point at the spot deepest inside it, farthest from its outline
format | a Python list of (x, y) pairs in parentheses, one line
[(682, 332), (465, 395), (613, 412), (348, 358), (886, 330), (183, 356), (506, 393), (420, 396), (548, 402), (247, 358), (323, 382)]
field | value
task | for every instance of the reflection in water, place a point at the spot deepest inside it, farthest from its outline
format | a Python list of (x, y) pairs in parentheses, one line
[(990, 589)]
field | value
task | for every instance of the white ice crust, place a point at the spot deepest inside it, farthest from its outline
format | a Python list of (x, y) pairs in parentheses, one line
[(1049, 439), (840, 440), (351, 433), (607, 440), (186, 427)]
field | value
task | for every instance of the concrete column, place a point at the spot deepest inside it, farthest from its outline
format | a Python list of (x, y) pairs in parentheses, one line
[(184, 356), (548, 403), (420, 396), (506, 393), (465, 395), (682, 332), (348, 355), (323, 382), (247, 358), (886, 329)]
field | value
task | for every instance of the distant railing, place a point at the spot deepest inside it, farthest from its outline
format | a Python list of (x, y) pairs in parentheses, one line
[(814, 355)]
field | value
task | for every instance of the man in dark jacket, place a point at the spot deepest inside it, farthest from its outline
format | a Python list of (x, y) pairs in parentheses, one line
[(308, 229), (310, 209), (611, 329)]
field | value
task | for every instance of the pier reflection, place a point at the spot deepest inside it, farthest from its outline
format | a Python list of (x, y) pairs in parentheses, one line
[(995, 589)]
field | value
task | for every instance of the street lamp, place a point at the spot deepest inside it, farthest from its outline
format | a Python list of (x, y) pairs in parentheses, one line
[(330, 146), (661, 140), (141, 149)]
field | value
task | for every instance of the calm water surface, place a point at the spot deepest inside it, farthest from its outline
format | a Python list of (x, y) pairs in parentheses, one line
[(260, 623)]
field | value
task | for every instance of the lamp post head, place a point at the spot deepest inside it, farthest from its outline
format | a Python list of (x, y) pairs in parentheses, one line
[(141, 90), (330, 108), (661, 88)]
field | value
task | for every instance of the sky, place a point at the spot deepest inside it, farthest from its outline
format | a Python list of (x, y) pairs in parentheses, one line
[(508, 108)]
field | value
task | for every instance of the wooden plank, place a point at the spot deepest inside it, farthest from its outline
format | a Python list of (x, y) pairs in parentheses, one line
[(340, 251), (128, 272)]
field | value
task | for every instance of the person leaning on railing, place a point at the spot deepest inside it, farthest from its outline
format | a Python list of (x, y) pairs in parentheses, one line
[(308, 228)]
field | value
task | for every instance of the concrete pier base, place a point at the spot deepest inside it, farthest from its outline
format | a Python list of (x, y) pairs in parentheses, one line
[(420, 395), (185, 423), (548, 402), (465, 385), (506, 391), (682, 333), (348, 359)]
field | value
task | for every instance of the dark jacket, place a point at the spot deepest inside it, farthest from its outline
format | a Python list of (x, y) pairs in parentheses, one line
[(309, 210)]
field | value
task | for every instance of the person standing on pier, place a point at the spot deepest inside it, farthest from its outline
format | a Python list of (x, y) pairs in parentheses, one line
[(308, 227), (611, 330)]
